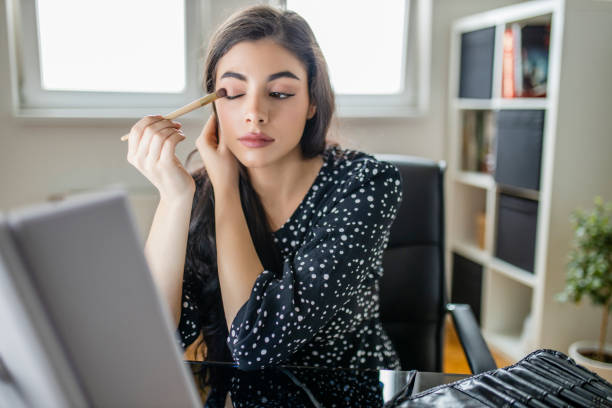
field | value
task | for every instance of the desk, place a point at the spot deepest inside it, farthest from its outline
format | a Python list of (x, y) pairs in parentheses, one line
[(289, 386)]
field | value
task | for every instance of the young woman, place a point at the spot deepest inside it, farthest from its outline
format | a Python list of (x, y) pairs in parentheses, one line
[(272, 251)]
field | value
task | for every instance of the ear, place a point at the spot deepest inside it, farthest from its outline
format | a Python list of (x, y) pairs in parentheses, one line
[(312, 109)]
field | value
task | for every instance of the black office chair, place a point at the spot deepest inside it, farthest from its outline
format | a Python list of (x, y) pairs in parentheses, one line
[(412, 292)]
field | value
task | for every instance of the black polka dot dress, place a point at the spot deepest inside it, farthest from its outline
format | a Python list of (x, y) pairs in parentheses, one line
[(322, 309), (288, 387)]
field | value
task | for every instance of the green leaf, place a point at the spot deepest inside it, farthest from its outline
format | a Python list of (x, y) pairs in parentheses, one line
[(589, 265)]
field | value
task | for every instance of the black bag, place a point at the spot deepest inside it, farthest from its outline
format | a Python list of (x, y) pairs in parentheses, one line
[(544, 378)]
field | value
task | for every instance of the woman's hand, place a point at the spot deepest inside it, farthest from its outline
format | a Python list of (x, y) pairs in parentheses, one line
[(151, 149), (221, 164)]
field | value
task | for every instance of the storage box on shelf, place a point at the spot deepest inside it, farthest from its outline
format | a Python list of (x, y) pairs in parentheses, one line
[(477, 63), (518, 164), (516, 231), (519, 148)]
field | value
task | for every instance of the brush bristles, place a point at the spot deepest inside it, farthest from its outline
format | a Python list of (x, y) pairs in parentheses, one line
[(221, 93)]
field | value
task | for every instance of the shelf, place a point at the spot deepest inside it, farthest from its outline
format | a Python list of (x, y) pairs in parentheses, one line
[(487, 182), (472, 252), (501, 103), (519, 192), (475, 179), (535, 139), (475, 104), (481, 256), (522, 103), (513, 272), (515, 12), (508, 344)]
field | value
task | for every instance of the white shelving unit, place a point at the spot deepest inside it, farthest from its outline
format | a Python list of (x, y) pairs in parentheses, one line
[(518, 309)]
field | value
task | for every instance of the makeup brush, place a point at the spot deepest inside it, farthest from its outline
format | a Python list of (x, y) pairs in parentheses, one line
[(205, 100)]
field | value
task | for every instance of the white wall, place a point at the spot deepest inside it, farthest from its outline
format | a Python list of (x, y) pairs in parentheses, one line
[(41, 157)]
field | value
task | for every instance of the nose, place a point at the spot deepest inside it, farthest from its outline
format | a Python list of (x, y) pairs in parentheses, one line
[(256, 111)]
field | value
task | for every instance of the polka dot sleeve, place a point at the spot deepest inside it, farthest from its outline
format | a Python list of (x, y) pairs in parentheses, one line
[(189, 324), (335, 257)]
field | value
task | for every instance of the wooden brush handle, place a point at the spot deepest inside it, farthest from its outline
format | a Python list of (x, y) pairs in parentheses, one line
[(205, 100)]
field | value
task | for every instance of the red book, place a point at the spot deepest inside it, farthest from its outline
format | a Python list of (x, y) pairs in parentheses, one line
[(508, 89)]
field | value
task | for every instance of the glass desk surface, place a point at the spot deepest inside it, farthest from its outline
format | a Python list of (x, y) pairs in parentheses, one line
[(222, 385)]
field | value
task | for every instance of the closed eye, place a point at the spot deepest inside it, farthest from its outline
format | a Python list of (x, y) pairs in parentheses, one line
[(277, 95)]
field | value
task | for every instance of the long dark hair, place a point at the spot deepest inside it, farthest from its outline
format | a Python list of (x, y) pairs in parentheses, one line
[(292, 32)]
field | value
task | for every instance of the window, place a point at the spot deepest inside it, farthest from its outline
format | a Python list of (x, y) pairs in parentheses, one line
[(119, 58), (73, 58), (377, 53)]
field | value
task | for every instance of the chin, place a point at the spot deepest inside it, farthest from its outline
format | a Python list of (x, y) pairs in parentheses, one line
[(255, 159)]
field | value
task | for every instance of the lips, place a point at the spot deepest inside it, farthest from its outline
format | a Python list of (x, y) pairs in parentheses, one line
[(255, 139)]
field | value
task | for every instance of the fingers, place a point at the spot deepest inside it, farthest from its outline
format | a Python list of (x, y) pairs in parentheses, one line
[(217, 138), (154, 131), (208, 137), (167, 150), (137, 130), (159, 132), (147, 137), (162, 139)]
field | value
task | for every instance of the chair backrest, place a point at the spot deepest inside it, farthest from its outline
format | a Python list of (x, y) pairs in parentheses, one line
[(412, 291)]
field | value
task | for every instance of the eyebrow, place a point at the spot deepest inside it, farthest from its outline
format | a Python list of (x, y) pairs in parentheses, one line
[(282, 74)]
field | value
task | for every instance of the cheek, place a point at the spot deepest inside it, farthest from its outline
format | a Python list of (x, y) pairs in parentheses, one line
[(227, 116), (292, 117), (294, 112)]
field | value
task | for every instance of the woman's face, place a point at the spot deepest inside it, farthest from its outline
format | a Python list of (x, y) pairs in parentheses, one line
[(263, 116)]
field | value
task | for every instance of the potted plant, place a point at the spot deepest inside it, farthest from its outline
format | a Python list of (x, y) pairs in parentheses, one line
[(589, 273)]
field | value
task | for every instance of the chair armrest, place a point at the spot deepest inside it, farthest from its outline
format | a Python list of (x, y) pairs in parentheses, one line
[(476, 350)]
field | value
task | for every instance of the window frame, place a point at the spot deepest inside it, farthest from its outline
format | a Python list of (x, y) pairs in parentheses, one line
[(31, 101), (413, 101)]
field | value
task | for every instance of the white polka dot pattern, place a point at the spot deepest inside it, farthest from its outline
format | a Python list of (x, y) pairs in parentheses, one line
[(322, 309)]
